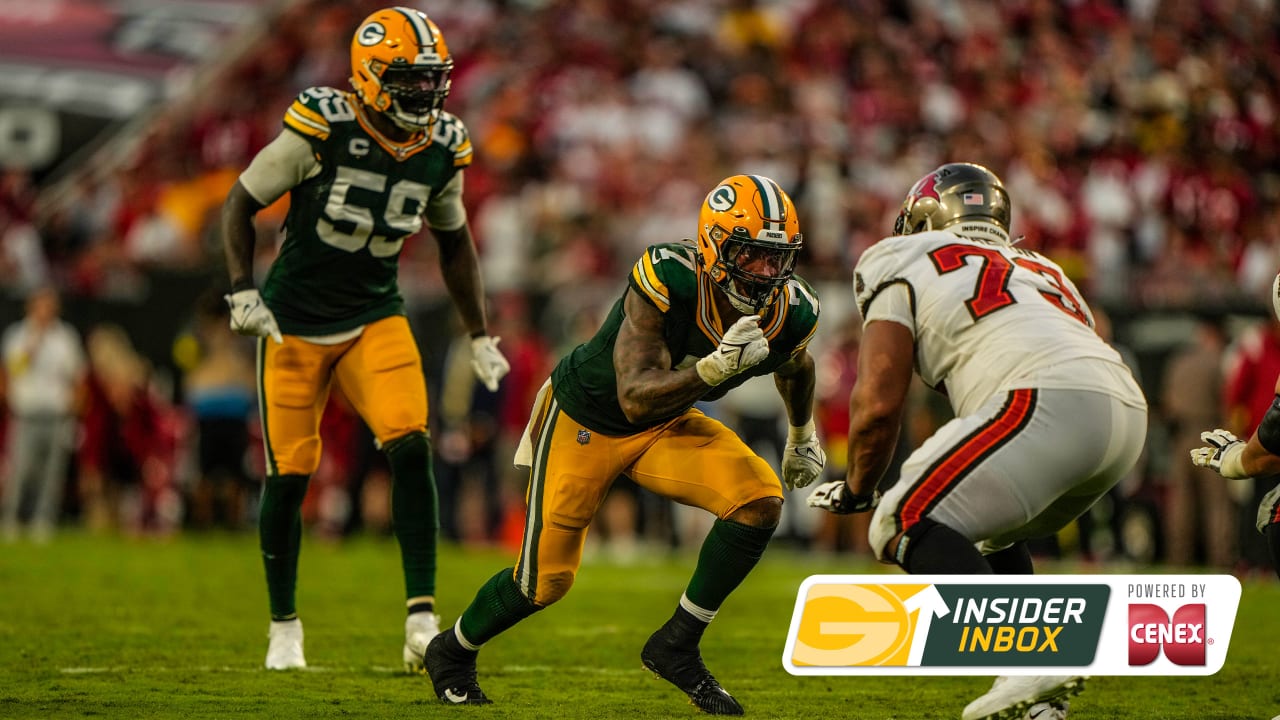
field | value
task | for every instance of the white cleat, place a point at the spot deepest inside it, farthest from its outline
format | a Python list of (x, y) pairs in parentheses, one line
[(419, 628), (1010, 697), (1056, 710), (284, 645)]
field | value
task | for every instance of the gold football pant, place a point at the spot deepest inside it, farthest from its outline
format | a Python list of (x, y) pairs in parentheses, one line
[(379, 372), (691, 459)]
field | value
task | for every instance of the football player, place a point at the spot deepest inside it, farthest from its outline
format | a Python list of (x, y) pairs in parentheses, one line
[(1259, 456), (1047, 415), (695, 321), (363, 170)]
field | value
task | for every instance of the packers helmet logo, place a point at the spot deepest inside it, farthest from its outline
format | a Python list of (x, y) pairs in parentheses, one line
[(371, 34), (848, 625), (722, 198)]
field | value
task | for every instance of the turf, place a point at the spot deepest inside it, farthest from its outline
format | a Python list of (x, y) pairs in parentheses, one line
[(117, 628)]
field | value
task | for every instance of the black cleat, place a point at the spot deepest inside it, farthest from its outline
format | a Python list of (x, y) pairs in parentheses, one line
[(453, 673), (683, 668)]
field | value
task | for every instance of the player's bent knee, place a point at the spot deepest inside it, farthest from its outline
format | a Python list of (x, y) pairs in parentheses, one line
[(762, 513), (884, 535), (553, 586)]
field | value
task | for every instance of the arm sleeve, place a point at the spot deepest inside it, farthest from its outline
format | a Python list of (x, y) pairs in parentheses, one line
[(892, 303), (445, 210), (283, 164)]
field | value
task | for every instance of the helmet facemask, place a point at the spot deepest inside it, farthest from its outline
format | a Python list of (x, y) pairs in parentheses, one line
[(417, 93), (752, 271)]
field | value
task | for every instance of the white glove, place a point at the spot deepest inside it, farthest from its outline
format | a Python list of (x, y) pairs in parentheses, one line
[(251, 316), (1223, 454), (803, 458), (834, 497), (488, 361), (743, 346)]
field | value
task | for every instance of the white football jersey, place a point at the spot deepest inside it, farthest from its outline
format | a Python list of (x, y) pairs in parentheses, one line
[(987, 318)]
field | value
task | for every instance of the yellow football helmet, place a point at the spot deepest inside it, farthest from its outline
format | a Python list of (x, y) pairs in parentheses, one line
[(748, 240), (401, 67)]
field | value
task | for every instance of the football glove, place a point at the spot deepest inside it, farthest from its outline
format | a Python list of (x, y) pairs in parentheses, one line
[(803, 457), (743, 346), (251, 316), (488, 362), (834, 497), (1223, 454)]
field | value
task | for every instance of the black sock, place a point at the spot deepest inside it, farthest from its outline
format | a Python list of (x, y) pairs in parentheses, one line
[(414, 511), (1013, 560), (422, 607), (931, 548), (683, 629), (280, 537)]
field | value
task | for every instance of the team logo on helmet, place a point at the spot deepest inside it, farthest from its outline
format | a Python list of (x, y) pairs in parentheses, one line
[(371, 34), (722, 198)]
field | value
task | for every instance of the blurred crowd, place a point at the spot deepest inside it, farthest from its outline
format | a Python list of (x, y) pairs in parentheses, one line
[(1140, 142)]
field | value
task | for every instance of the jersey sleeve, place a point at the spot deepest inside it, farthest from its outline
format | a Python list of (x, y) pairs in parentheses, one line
[(445, 210), (283, 164), (663, 272), (315, 109), (881, 288)]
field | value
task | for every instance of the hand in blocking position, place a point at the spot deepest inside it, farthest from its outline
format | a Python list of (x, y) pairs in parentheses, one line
[(742, 347), (1222, 454), (834, 497), (803, 458)]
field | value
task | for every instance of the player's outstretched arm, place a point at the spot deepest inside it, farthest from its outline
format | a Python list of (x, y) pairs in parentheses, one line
[(876, 405), (803, 458)]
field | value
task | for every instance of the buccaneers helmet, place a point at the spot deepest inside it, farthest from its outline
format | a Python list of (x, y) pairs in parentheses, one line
[(956, 193), (748, 239), (400, 66)]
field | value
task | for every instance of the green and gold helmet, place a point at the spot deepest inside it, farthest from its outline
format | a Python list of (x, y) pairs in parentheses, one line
[(962, 194)]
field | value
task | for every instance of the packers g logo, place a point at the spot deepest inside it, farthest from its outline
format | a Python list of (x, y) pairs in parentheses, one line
[(846, 625), (722, 198), (371, 34)]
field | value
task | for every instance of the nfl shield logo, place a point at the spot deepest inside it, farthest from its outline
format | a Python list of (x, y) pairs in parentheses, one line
[(584, 437)]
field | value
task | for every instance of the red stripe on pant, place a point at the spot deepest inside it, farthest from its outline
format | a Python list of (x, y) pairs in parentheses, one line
[(953, 467)]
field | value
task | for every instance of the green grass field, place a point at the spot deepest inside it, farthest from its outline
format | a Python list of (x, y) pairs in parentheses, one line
[(117, 628)]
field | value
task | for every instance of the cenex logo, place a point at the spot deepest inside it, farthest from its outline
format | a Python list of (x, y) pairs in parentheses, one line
[(1182, 638)]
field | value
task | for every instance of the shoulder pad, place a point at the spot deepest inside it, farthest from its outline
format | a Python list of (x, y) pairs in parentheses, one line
[(452, 134), (663, 269), (315, 109), (882, 264)]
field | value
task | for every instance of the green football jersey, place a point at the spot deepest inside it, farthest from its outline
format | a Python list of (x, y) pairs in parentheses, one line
[(585, 383), (337, 267)]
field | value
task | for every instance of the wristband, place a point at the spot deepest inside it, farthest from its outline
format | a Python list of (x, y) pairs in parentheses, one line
[(800, 433)]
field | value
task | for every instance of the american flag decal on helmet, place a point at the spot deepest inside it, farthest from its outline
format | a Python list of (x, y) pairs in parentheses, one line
[(973, 199)]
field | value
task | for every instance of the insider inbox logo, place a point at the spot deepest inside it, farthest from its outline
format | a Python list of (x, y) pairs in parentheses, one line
[(1012, 625)]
